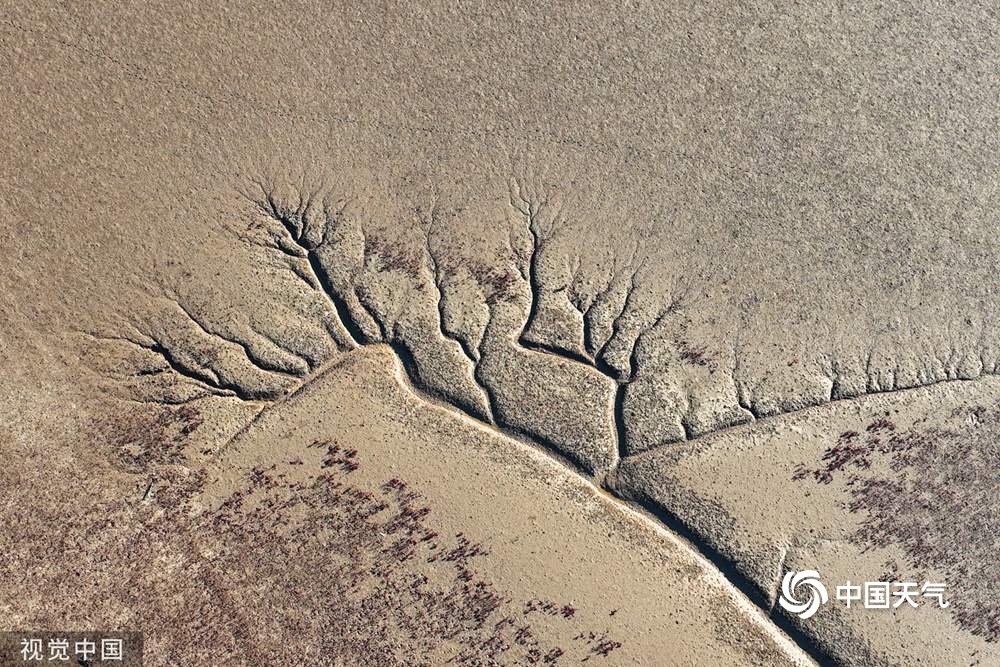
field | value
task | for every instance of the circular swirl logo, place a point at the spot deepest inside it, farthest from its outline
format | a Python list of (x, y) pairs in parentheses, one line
[(809, 604)]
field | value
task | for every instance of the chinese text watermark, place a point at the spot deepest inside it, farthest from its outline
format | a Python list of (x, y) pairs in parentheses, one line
[(71, 648), (803, 593)]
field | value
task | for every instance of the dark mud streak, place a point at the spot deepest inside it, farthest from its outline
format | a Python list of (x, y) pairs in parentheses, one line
[(251, 356), (533, 285), (234, 388), (530, 273), (741, 397), (470, 353), (726, 566), (210, 382), (309, 360), (617, 324), (531, 439), (491, 396), (557, 352), (579, 305), (741, 401), (296, 234), (305, 276), (588, 331), (759, 417), (357, 336), (551, 448), (600, 297), (406, 359), (621, 435), (633, 366), (372, 315)]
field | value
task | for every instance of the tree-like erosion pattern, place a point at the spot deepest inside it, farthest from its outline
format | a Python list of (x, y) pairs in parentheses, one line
[(593, 362)]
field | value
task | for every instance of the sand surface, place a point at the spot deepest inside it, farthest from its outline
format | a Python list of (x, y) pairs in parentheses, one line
[(426, 334)]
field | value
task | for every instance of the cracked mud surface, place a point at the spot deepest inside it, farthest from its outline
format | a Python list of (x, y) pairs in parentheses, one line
[(651, 272)]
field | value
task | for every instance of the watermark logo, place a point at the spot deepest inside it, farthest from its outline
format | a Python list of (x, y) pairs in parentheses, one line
[(87, 649), (802, 593)]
